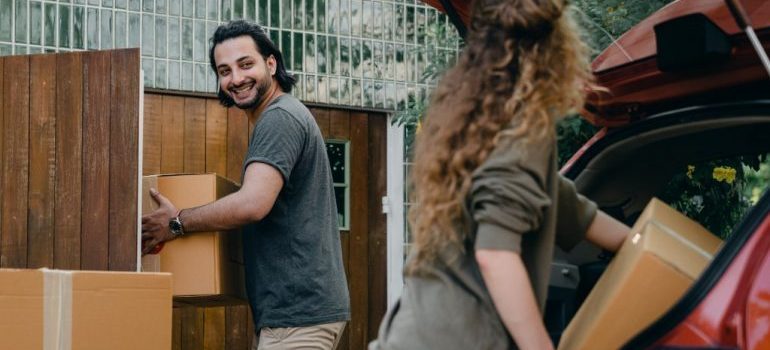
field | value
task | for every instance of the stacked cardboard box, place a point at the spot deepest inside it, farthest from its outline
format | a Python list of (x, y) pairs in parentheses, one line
[(207, 266), (665, 253), (57, 309)]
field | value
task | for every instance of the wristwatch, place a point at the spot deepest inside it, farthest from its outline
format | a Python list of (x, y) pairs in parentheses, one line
[(175, 225)]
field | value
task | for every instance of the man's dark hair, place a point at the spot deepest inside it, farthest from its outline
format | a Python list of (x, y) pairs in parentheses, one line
[(265, 46)]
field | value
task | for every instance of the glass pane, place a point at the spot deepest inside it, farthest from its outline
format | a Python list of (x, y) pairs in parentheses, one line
[(134, 5), (321, 15), (174, 76), (121, 4), (323, 90), (187, 39), (121, 28), (309, 60), (345, 56), (173, 38), (200, 8), (400, 18), (333, 57), (355, 93), (262, 11), (49, 25), (310, 15), (368, 93), (377, 20), (298, 15), (148, 35), (78, 20), (344, 17), (6, 49), (107, 3), (299, 53), (332, 15), (35, 23), (64, 26), (133, 29), (379, 94), (286, 20), (400, 65), (94, 2), (274, 14), (321, 54), (200, 42), (188, 8), (310, 89), (21, 21), (200, 77), (286, 50), (160, 74), (187, 76), (409, 27), (339, 194), (238, 9), (161, 6), (334, 90), (212, 9), (149, 72), (148, 5), (355, 17), (336, 152), (251, 10), (106, 29), (345, 91), (226, 10), (355, 58), (367, 53), (161, 46), (175, 7), (92, 29)]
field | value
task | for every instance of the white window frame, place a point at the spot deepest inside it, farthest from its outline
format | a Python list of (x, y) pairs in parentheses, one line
[(393, 206)]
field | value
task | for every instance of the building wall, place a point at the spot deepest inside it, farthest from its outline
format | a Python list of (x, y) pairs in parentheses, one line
[(361, 53)]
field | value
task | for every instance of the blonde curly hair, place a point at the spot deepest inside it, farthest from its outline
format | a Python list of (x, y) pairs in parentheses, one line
[(524, 67)]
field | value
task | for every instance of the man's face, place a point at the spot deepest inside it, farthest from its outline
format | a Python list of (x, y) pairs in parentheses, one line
[(244, 75)]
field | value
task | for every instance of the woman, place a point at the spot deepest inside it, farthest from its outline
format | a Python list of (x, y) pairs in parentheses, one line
[(491, 205)]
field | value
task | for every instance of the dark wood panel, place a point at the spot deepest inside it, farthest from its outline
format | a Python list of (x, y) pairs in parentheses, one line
[(214, 328), (378, 257), (359, 294), (69, 160), (192, 327), (321, 116), (237, 143), (42, 161), (124, 152), (153, 133), (236, 327), (15, 167), (340, 124), (216, 138), (172, 130), (194, 135), (96, 161)]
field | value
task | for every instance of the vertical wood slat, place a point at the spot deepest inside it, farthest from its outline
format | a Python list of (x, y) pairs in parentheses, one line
[(359, 296), (124, 152), (194, 135), (192, 327), (216, 137), (321, 116), (237, 143), (172, 131), (15, 166), (176, 329), (377, 229), (42, 161), (153, 118), (69, 160), (214, 328), (96, 161), (339, 124), (236, 327)]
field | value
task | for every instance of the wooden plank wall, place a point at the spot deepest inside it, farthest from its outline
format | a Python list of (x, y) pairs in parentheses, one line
[(195, 134), (69, 160)]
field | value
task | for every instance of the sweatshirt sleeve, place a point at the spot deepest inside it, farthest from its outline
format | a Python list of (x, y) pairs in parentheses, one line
[(574, 215)]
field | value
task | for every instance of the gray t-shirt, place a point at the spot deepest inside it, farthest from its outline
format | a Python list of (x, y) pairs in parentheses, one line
[(293, 257)]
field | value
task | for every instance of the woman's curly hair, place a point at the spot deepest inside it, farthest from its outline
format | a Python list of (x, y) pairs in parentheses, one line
[(524, 66)]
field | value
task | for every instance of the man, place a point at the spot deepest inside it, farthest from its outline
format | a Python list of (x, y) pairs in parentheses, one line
[(293, 261)]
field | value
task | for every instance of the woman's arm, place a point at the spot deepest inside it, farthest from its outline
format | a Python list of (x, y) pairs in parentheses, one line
[(606, 232), (511, 291)]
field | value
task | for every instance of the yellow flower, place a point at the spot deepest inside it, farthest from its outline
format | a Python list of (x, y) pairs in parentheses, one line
[(724, 174), (690, 171)]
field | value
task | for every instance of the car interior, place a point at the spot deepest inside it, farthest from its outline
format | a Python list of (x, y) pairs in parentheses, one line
[(625, 169)]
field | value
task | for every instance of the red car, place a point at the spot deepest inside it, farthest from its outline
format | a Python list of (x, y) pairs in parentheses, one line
[(685, 86)]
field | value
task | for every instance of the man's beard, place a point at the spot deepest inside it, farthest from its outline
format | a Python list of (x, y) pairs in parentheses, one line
[(262, 87)]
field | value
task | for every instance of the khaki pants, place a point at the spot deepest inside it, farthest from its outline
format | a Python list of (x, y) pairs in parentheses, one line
[(322, 337)]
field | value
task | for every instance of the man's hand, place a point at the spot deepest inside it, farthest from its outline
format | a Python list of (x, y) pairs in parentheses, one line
[(155, 228)]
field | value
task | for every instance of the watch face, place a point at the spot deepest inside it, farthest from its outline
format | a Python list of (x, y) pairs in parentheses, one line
[(176, 226)]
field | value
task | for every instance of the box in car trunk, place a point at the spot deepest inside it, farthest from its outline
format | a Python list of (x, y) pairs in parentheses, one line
[(664, 254)]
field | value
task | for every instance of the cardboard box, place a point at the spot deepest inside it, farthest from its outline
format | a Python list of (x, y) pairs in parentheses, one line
[(207, 266), (664, 254), (84, 310)]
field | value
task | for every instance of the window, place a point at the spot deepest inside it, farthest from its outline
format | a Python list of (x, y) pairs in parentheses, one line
[(338, 152)]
